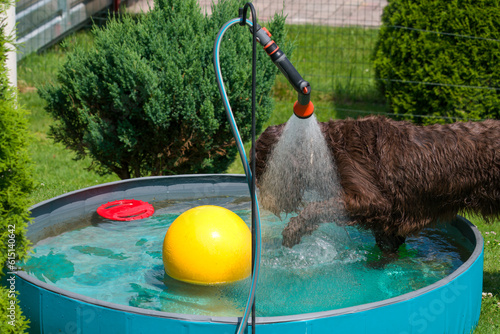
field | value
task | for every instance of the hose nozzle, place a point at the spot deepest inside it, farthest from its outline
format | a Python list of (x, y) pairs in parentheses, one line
[(303, 111), (303, 107)]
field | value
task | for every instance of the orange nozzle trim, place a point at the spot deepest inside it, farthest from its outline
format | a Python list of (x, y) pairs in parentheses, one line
[(303, 111), (266, 31)]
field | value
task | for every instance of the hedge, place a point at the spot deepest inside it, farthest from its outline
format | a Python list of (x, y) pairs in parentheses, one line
[(15, 185), (440, 58)]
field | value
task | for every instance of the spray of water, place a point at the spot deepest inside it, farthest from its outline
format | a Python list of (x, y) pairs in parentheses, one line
[(300, 169)]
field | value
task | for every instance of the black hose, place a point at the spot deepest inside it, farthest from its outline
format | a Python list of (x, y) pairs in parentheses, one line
[(252, 155)]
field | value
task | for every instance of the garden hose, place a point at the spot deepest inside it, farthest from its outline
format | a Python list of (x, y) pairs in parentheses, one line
[(303, 108), (256, 232)]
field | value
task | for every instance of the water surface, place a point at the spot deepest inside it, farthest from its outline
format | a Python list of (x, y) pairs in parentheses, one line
[(121, 262)]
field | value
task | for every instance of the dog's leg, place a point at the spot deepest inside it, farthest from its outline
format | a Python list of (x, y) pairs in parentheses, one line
[(296, 228), (389, 245), (309, 219), (387, 242)]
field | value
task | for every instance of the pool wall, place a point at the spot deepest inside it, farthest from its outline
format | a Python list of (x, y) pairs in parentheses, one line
[(451, 305)]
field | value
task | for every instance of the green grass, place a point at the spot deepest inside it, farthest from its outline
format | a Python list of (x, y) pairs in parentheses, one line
[(489, 322), (336, 61)]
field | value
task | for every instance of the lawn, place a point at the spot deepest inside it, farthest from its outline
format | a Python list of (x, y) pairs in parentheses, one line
[(55, 169), (345, 89)]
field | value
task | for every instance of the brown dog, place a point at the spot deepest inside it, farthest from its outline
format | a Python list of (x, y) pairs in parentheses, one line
[(397, 177)]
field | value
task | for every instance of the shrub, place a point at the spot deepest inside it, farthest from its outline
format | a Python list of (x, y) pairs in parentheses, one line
[(435, 57), (145, 101), (15, 186)]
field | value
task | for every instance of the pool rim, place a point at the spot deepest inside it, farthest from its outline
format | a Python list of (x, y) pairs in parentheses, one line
[(474, 237)]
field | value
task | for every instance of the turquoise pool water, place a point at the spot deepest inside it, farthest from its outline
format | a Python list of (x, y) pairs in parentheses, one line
[(121, 262)]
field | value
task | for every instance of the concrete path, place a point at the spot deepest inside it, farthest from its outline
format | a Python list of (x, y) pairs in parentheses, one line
[(325, 12)]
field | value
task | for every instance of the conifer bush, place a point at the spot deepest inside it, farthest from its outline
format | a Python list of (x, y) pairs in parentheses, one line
[(440, 58), (15, 185), (144, 100)]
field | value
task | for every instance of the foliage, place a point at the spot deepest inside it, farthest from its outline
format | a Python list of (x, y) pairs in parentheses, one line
[(439, 58), (144, 100), (20, 324), (15, 185)]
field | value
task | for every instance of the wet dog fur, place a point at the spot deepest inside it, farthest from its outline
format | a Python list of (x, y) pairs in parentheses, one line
[(398, 178)]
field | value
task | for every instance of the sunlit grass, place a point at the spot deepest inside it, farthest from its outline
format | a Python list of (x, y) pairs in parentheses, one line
[(489, 322), (55, 169)]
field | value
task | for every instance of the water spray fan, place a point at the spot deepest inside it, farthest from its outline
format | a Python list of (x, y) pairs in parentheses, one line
[(303, 108)]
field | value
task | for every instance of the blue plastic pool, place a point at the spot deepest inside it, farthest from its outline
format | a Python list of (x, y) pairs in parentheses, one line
[(450, 305)]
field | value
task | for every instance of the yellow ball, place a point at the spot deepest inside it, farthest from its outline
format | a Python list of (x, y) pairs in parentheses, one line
[(207, 245)]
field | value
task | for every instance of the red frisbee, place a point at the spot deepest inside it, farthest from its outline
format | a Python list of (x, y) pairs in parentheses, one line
[(125, 210)]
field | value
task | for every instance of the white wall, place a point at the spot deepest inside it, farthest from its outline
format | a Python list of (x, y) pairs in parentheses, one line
[(11, 56)]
